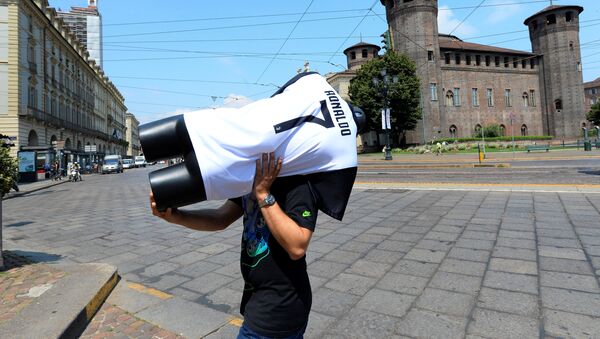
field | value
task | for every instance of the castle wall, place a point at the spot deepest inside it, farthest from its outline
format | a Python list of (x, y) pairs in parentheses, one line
[(522, 101)]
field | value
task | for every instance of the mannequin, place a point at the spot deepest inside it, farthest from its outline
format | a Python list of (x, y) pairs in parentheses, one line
[(305, 122)]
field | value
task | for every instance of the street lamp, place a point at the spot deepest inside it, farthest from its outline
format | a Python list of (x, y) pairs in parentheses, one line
[(385, 116)]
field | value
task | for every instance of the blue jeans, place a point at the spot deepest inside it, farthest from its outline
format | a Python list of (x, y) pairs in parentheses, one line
[(247, 333)]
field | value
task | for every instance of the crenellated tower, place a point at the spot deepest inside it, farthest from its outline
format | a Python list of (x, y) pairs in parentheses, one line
[(414, 31), (554, 34)]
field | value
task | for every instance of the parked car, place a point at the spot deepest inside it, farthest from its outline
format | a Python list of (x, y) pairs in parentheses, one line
[(112, 163), (140, 161), (128, 163)]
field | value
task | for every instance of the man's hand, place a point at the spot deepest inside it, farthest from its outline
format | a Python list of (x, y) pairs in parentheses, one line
[(267, 170), (168, 215)]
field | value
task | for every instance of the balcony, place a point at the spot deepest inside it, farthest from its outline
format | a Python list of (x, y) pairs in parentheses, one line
[(34, 113)]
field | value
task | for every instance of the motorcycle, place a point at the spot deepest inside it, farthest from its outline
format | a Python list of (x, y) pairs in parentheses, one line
[(74, 175)]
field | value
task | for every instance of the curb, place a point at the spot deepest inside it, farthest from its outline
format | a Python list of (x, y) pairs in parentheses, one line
[(81, 321), (65, 309), (425, 166)]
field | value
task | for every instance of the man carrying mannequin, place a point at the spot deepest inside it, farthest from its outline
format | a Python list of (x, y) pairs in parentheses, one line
[(280, 215)]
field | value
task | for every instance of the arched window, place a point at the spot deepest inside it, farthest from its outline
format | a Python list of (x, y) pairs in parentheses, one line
[(502, 130), (68, 143), (79, 145), (449, 98), (525, 99), (32, 139), (478, 130), (558, 104), (453, 131), (523, 130)]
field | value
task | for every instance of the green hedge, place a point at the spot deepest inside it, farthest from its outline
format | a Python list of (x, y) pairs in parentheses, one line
[(505, 138)]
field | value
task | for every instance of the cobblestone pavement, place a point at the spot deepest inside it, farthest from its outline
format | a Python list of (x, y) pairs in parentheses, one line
[(21, 283), (449, 264)]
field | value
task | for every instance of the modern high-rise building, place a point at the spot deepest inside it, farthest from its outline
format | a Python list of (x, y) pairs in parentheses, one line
[(86, 24)]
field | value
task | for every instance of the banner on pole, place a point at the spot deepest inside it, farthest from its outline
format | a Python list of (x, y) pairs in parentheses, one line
[(386, 119)]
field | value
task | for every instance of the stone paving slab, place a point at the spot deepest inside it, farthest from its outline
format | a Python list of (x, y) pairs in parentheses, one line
[(464, 264)]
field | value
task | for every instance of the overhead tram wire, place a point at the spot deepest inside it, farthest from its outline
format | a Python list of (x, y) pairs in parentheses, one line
[(275, 23), (238, 39), (297, 13), (285, 41), (359, 23), (231, 17), (467, 17)]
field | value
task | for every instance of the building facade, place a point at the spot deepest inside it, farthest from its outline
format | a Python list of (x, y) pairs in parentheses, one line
[(57, 100), (466, 86), (132, 135), (592, 93), (86, 24)]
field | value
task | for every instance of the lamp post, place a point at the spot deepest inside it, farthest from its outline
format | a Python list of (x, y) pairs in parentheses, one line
[(385, 116)]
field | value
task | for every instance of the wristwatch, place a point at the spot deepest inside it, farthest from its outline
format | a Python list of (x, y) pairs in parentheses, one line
[(268, 201)]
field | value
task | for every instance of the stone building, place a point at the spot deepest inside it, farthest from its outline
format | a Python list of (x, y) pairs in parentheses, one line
[(54, 98), (592, 93), (465, 86), (132, 135)]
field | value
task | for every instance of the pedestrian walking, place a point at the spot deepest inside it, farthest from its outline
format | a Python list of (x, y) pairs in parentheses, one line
[(279, 217)]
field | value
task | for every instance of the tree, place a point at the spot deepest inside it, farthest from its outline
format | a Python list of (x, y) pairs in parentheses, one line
[(403, 96), (594, 114), (8, 167), (8, 172)]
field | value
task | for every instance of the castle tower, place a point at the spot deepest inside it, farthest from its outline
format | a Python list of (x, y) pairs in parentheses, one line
[(554, 34), (414, 30), (360, 53)]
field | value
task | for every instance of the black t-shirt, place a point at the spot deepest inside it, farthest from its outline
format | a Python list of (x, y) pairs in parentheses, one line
[(277, 295)]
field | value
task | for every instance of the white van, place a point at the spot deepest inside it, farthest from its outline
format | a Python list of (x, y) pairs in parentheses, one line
[(112, 163), (140, 161)]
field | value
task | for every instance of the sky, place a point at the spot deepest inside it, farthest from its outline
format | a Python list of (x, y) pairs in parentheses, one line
[(172, 57)]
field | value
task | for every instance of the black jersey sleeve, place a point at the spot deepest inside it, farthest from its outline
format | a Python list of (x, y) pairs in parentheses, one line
[(297, 201)]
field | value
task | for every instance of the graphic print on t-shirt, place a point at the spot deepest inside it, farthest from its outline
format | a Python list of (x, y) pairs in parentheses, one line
[(255, 239)]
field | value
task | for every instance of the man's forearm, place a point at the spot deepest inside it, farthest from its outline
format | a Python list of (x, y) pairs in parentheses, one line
[(293, 238), (207, 219)]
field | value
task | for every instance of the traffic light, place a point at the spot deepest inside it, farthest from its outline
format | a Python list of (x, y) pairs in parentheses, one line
[(386, 40)]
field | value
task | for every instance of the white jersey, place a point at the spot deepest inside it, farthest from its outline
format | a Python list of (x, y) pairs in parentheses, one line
[(308, 124)]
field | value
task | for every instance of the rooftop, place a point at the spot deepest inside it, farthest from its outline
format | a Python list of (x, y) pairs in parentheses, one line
[(552, 8), (452, 42)]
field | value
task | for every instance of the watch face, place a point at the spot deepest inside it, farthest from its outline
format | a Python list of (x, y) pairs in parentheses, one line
[(269, 200)]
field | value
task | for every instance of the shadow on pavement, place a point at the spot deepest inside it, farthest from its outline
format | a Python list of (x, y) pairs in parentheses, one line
[(31, 257), (19, 224), (590, 172)]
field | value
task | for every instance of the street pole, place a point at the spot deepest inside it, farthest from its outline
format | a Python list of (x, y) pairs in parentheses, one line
[(512, 132), (386, 114)]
